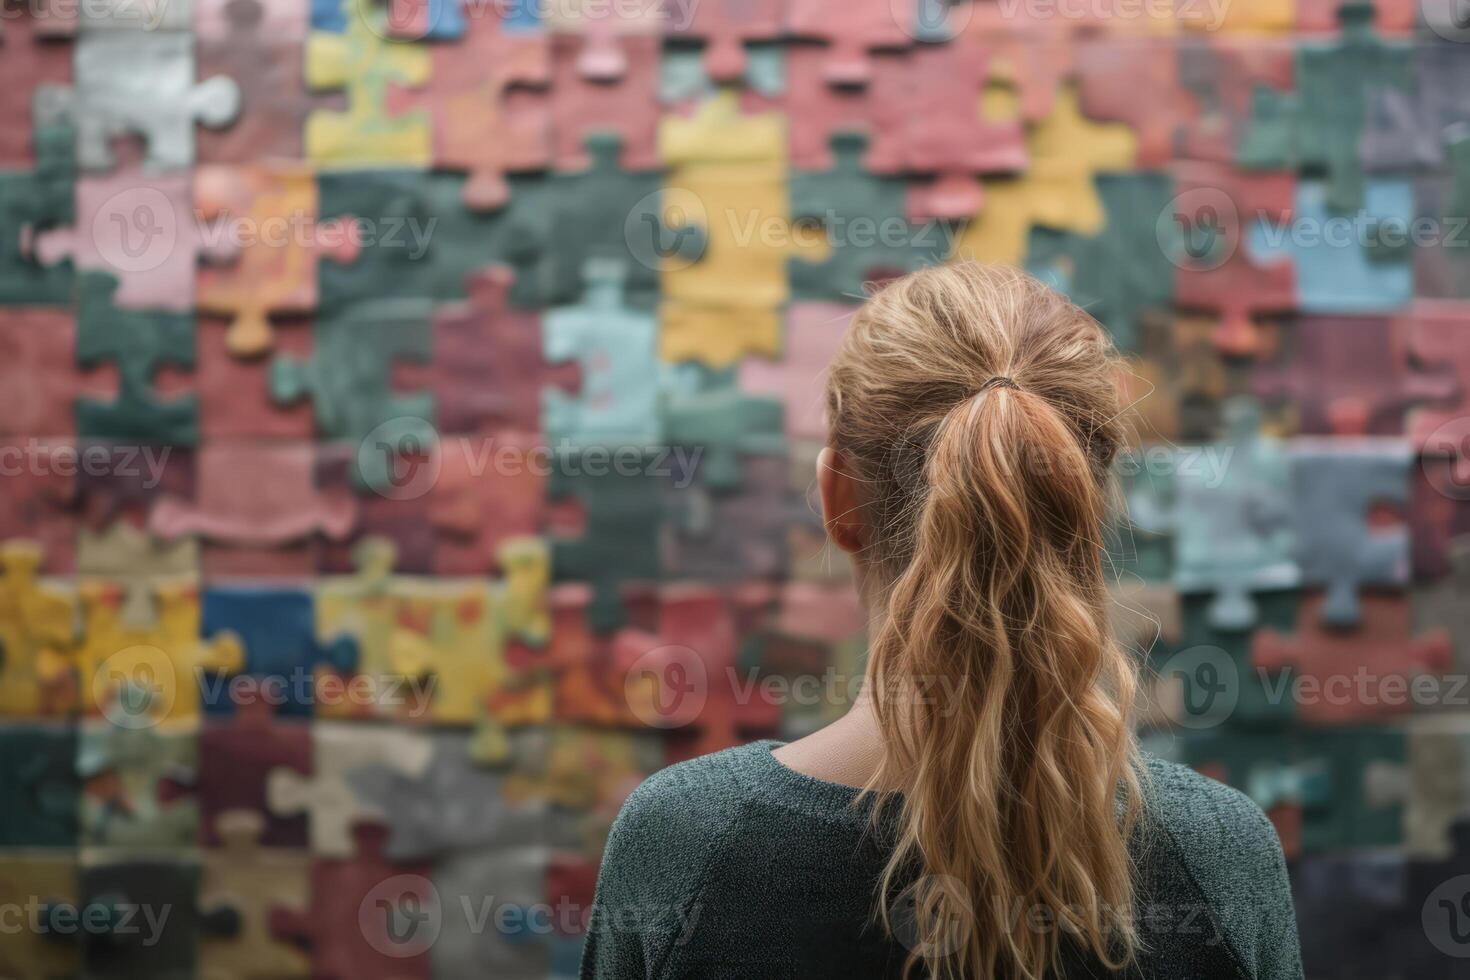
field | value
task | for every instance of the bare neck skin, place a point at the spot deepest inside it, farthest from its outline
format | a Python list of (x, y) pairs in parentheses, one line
[(848, 750)]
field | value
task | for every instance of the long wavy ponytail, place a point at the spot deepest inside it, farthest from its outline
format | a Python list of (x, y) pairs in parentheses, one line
[(978, 409)]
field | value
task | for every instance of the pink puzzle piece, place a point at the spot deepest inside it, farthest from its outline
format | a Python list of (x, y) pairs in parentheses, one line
[(1439, 335), (1111, 74), (490, 488), (851, 32), (813, 331), (139, 227), (608, 34), (1351, 376), (235, 504), (488, 368), (1215, 207), (32, 53), (928, 121), (582, 103), (725, 27), (38, 349), (818, 110), (40, 501), (258, 43), (486, 96), (1328, 664), (234, 393)]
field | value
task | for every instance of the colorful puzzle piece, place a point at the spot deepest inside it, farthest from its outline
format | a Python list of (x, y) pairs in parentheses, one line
[(272, 273), (364, 61)]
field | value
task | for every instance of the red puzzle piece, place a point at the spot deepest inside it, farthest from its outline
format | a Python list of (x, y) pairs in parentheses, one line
[(818, 110), (369, 917), (33, 52), (488, 368), (1215, 207), (236, 757), (490, 487), (40, 498), (38, 349), (234, 394), (1363, 674), (582, 100), (260, 44), (1111, 74), (1439, 334), (490, 111), (726, 26), (234, 506), (851, 32), (927, 121), (1350, 376)]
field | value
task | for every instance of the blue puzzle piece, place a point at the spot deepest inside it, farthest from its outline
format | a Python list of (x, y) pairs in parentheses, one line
[(1334, 485), (1233, 532), (615, 346), (282, 652), (1339, 265)]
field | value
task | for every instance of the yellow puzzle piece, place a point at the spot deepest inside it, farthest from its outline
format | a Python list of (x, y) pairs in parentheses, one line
[(137, 674), (363, 62), (37, 630), (727, 172), (1067, 150)]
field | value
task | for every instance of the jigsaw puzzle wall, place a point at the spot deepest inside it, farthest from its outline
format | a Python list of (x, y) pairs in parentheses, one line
[(409, 410)]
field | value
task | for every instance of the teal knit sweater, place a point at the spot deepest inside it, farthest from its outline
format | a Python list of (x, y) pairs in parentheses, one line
[(734, 866)]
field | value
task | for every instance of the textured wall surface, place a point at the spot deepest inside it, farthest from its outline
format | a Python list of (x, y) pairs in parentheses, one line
[(407, 413)]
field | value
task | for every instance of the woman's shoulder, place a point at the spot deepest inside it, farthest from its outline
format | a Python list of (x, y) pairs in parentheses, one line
[(1195, 807), (1215, 870)]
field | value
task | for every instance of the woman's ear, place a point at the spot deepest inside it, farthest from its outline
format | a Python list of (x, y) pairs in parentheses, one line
[(841, 510)]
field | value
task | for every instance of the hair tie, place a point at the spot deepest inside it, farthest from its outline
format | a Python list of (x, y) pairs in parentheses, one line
[(999, 381)]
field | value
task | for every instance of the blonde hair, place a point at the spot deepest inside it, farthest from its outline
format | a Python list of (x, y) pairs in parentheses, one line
[(978, 411)]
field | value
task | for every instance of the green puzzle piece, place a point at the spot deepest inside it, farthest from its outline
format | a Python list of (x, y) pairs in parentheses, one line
[(349, 379), (32, 202), (1123, 272), (623, 510), (1318, 128), (863, 218), (420, 241), (605, 212), (1259, 701), (137, 342), (722, 423)]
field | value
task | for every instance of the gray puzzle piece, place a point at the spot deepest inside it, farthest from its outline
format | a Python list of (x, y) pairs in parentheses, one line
[(1233, 533), (484, 889), (136, 81), (454, 804), (1334, 485)]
